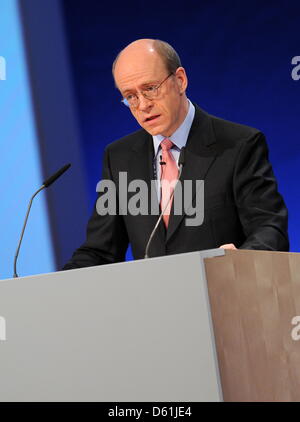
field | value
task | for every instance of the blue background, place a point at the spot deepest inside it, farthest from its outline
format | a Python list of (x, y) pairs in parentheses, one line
[(238, 59), (20, 169)]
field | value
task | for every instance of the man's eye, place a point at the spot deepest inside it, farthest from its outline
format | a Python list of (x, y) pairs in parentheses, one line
[(129, 97), (150, 88)]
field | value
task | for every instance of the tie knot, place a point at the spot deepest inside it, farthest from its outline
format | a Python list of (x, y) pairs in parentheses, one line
[(166, 144)]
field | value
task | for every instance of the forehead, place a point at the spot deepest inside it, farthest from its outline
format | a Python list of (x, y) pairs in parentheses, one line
[(134, 70)]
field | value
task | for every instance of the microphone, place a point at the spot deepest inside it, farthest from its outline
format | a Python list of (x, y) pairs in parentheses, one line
[(55, 176), (45, 184), (181, 163), (161, 162), (181, 160)]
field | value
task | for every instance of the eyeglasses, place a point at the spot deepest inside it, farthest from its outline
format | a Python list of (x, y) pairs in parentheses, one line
[(151, 92)]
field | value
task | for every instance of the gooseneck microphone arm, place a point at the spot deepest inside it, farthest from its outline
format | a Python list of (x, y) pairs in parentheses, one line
[(23, 230), (45, 184), (181, 163)]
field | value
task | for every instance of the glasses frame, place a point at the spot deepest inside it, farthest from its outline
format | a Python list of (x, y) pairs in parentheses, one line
[(145, 94)]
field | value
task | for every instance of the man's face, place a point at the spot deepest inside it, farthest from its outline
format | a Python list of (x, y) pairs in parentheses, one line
[(135, 71)]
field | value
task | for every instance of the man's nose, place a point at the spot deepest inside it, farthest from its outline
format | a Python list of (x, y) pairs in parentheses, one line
[(144, 103)]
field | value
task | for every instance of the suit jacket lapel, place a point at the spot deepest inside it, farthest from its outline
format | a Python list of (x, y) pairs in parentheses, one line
[(200, 154), (142, 167)]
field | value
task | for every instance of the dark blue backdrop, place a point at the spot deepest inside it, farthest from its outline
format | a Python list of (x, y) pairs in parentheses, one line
[(237, 56)]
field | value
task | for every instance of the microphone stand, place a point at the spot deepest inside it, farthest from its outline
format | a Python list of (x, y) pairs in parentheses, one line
[(45, 184), (23, 230)]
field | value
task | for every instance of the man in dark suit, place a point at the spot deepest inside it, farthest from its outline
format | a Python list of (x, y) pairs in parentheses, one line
[(242, 207)]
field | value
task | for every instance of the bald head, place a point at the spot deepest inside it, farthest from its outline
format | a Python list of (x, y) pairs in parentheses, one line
[(147, 48)]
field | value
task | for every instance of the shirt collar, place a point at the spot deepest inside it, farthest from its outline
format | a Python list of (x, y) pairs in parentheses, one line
[(180, 136)]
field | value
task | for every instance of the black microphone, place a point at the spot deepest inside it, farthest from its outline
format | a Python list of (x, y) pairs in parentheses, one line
[(45, 184), (161, 162), (181, 160), (181, 163), (55, 176)]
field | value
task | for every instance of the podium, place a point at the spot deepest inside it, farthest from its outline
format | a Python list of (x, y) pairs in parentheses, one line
[(201, 326)]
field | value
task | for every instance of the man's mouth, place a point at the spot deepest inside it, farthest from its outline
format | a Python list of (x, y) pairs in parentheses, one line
[(151, 118)]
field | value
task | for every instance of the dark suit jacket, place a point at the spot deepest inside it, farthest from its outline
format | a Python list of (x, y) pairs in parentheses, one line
[(241, 201)]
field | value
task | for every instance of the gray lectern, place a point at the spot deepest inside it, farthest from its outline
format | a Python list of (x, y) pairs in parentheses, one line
[(136, 331)]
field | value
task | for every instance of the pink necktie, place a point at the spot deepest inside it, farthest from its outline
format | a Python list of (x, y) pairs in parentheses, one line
[(169, 175)]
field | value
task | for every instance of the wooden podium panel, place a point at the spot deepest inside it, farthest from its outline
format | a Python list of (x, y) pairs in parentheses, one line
[(254, 296)]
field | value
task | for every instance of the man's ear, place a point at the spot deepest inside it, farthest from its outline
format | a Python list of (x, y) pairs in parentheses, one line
[(181, 79)]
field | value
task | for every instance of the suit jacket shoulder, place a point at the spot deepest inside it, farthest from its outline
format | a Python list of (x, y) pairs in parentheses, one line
[(126, 143), (225, 133)]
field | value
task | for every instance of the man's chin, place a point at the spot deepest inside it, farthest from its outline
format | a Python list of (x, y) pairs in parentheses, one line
[(153, 130)]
